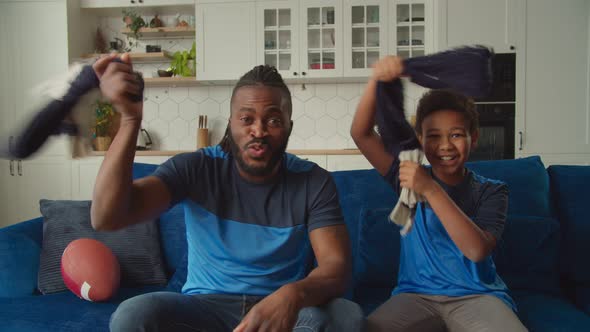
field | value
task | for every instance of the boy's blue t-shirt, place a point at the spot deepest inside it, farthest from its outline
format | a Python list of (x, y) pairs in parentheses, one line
[(431, 263), (248, 238)]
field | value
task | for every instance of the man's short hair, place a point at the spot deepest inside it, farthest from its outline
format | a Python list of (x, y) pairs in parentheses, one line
[(446, 99)]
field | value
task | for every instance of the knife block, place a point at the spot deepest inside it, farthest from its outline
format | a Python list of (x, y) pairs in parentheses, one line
[(202, 138)]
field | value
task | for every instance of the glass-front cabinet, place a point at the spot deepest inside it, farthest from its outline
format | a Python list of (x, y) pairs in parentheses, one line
[(365, 31), (321, 38), (412, 28), (339, 38), (301, 38), (278, 37)]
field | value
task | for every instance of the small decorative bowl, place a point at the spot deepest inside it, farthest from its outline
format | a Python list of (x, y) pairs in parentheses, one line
[(164, 73)]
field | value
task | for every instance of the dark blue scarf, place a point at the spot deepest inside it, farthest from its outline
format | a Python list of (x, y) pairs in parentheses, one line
[(465, 69)]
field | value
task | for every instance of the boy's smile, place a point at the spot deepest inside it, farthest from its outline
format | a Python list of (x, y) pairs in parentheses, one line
[(447, 142)]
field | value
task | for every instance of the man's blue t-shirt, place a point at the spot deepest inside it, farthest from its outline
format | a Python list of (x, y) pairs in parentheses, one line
[(431, 263), (248, 238)]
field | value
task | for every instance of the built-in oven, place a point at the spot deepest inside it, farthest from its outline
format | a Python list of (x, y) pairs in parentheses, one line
[(496, 132), (497, 112)]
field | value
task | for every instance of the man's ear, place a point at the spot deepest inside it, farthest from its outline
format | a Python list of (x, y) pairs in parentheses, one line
[(290, 127)]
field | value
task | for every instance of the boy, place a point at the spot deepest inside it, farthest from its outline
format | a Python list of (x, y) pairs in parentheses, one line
[(447, 279)]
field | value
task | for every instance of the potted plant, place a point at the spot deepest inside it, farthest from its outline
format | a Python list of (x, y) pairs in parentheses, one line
[(104, 115), (184, 63), (134, 22)]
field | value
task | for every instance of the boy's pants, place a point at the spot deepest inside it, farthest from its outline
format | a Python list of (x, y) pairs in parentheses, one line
[(417, 312), (168, 311)]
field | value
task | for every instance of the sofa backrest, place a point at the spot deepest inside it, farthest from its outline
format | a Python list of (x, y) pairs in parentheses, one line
[(571, 195)]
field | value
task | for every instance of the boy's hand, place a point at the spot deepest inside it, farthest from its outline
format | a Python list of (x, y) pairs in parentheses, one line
[(413, 176), (117, 82), (388, 68)]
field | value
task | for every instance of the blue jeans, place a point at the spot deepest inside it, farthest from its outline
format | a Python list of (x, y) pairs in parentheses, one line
[(168, 311)]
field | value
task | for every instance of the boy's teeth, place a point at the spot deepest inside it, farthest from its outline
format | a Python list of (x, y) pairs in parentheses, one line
[(446, 158)]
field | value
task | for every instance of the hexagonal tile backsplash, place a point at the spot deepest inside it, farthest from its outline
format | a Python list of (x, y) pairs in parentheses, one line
[(320, 122), (322, 113)]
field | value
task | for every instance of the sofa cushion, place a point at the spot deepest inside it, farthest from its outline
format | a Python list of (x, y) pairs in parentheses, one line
[(527, 255), (527, 180), (19, 264), (570, 189), (549, 313), (136, 247), (378, 249), (62, 312)]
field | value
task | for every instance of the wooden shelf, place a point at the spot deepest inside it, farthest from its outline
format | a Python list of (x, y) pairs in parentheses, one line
[(174, 81), (139, 57), (163, 32)]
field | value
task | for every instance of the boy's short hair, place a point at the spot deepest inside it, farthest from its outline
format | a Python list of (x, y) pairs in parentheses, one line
[(446, 99)]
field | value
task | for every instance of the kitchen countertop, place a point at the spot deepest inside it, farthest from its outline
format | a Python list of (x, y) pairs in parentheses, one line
[(295, 152)]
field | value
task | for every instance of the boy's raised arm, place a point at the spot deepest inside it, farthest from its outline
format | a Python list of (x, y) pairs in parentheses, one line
[(363, 123)]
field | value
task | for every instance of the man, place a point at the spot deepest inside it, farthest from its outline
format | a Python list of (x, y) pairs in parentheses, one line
[(255, 219)]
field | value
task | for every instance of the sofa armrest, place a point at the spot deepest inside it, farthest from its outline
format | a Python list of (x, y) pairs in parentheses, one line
[(20, 246)]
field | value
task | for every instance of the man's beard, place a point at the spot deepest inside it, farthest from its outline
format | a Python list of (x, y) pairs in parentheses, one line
[(276, 156)]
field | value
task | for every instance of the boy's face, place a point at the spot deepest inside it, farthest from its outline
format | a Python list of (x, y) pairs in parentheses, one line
[(446, 141)]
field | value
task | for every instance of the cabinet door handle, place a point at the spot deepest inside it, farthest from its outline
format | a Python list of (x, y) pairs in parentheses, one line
[(520, 140), (12, 168), (20, 168), (512, 47), (10, 140), (294, 73), (132, 1), (140, 1), (303, 73)]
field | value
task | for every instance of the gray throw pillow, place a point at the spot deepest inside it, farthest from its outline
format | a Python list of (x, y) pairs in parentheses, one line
[(136, 247)]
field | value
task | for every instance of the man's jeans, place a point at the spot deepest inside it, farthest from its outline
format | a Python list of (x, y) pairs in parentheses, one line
[(168, 311)]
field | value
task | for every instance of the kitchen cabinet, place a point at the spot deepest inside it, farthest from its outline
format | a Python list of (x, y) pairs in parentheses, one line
[(491, 23), (46, 175), (347, 162), (319, 159), (411, 28), (553, 106), (226, 36), (84, 172), (300, 38), (24, 183), (132, 3), (365, 35), (340, 38)]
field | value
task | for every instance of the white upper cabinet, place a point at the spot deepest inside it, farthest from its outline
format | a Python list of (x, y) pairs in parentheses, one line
[(302, 39), (490, 23), (132, 3), (226, 39), (321, 38), (365, 35), (277, 42), (411, 28)]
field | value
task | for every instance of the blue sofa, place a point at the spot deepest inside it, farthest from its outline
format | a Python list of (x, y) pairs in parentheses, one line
[(541, 255)]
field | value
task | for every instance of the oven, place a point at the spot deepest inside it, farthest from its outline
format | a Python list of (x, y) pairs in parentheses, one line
[(496, 112)]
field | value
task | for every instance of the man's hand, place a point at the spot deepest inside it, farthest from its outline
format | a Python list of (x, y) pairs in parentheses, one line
[(117, 82), (102, 63), (388, 68), (413, 176), (277, 312)]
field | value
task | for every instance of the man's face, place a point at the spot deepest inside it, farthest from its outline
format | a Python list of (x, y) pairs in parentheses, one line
[(447, 142), (259, 130)]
